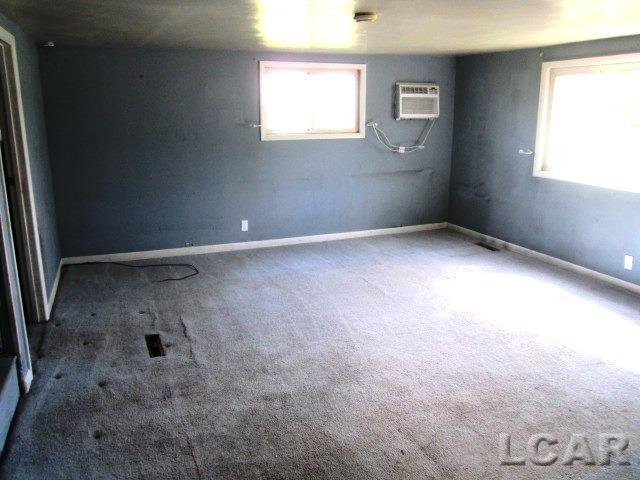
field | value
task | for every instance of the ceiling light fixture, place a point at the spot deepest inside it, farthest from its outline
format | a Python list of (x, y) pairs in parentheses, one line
[(365, 17)]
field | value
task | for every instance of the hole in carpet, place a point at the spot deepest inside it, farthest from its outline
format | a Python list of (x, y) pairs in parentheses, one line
[(488, 247), (102, 383), (57, 376), (97, 434), (154, 345)]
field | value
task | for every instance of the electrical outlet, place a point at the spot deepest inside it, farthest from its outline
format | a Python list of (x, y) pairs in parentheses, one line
[(628, 262), (245, 225)]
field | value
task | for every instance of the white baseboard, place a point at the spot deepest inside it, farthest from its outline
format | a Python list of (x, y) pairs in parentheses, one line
[(632, 287), (228, 247), (54, 290)]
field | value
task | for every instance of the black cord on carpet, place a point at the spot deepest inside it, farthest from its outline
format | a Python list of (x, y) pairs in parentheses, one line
[(155, 265)]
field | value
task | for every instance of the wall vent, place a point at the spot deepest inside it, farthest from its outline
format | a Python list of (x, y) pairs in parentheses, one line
[(488, 247)]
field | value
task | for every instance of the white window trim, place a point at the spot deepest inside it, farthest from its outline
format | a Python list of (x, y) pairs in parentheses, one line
[(546, 95), (362, 68)]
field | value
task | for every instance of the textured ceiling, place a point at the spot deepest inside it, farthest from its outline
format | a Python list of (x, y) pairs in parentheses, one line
[(404, 26)]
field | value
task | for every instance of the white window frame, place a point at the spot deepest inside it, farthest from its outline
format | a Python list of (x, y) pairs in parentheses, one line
[(548, 74), (265, 135)]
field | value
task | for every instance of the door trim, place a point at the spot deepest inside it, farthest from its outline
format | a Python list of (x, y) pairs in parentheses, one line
[(36, 296), (14, 337)]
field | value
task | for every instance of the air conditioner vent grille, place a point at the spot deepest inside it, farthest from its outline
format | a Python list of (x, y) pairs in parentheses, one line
[(419, 105)]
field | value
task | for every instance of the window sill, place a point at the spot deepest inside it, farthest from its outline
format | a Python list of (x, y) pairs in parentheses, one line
[(564, 178), (268, 137)]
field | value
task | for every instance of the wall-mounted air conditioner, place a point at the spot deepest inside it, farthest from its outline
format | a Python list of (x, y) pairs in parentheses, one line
[(417, 100)]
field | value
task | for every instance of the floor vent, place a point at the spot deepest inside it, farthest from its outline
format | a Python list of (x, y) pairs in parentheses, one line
[(487, 246), (154, 345)]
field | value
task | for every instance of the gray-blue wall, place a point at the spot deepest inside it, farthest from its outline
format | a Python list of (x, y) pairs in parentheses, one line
[(28, 66), (149, 151), (492, 187)]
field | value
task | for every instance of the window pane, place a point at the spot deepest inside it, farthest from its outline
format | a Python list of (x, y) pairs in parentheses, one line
[(594, 127), (311, 100), (286, 101), (334, 98)]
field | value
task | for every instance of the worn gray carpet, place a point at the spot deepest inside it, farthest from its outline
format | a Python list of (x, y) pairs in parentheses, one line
[(391, 357)]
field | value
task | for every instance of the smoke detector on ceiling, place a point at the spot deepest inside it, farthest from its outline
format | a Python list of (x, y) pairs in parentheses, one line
[(365, 17)]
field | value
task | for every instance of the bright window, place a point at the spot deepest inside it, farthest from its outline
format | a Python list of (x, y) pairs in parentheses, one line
[(589, 122), (311, 100)]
